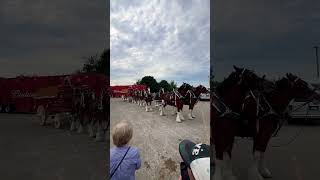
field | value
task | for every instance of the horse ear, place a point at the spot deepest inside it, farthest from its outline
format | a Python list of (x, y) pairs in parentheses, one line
[(264, 76), (236, 68)]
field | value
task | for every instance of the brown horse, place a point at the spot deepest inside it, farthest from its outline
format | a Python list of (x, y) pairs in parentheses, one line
[(175, 99), (128, 96), (137, 96), (75, 111), (85, 113), (266, 112), (192, 97), (225, 111), (101, 119), (148, 99)]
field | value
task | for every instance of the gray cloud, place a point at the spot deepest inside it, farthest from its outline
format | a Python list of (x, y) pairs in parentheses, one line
[(50, 37), (166, 39), (271, 37)]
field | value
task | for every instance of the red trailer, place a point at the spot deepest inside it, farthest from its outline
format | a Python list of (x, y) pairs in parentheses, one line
[(46, 95), (56, 101), (16, 94), (118, 91)]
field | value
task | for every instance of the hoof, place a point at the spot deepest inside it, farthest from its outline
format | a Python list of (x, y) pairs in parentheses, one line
[(218, 170), (72, 126), (80, 129), (253, 174), (190, 117), (231, 177), (265, 173), (90, 131), (99, 138)]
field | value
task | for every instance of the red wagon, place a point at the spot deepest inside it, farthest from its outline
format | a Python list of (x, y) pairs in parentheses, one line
[(55, 102)]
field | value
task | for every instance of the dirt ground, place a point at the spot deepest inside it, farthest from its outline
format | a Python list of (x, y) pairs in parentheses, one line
[(294, 154), (158, 137), (30, 151)]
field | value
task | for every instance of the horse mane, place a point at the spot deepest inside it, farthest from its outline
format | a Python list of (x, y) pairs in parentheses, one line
[(226, 84), (188, 86), (282, 83)]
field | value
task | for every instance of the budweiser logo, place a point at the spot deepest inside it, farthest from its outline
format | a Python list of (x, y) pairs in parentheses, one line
[(18, 93)]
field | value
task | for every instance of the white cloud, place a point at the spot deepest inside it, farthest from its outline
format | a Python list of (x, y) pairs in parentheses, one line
[(165, 39)]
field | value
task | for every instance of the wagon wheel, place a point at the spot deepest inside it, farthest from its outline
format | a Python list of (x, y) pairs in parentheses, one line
[(42, 115), (57, 121), (7, 109)]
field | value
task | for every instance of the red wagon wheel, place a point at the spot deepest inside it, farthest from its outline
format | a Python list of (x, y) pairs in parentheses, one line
[(41, 112), (57, 121)]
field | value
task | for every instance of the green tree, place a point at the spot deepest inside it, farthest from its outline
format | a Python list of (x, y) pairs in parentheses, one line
[(96, 63), (150, 82), (165, 85), (103, 64), (90, 64), (173, 85)]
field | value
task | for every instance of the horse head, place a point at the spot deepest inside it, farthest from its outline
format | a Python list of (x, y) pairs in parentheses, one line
[(297, 87), (184, 88), (244, 78), (199, 90)]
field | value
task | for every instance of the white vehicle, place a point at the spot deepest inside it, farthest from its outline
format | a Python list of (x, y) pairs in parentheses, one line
[(302, 109), (204, 97)]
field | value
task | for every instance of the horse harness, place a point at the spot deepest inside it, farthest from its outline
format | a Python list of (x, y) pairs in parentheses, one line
[(223, 109), (192, 96), (265, 109)]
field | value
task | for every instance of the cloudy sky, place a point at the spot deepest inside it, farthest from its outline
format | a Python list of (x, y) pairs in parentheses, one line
[(271, 37), (50, 37), (166, 39)]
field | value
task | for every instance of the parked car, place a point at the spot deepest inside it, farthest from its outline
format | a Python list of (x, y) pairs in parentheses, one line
[(302, 109), (204, 97)]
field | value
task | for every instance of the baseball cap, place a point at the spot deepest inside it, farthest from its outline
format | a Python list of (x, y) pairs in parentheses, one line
[(197, 157)]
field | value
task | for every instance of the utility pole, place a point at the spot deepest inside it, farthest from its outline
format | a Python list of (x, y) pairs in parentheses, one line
[(316, 47)]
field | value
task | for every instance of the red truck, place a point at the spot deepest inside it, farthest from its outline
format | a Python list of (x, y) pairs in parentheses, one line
[(46, 95)]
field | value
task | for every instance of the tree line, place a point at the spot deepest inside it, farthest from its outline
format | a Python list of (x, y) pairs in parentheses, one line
[(98, 63), (155, 86)]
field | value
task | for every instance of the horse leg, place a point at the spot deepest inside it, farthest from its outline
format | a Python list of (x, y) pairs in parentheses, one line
[(147, 108), (99, 135), (190, 113), (150, 106), (178, 118), (73, 124), (174, 111), (91, 127), (180, 107), (261, 140), (223, 135), (80, 128), (162, 108), (228, 172)]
